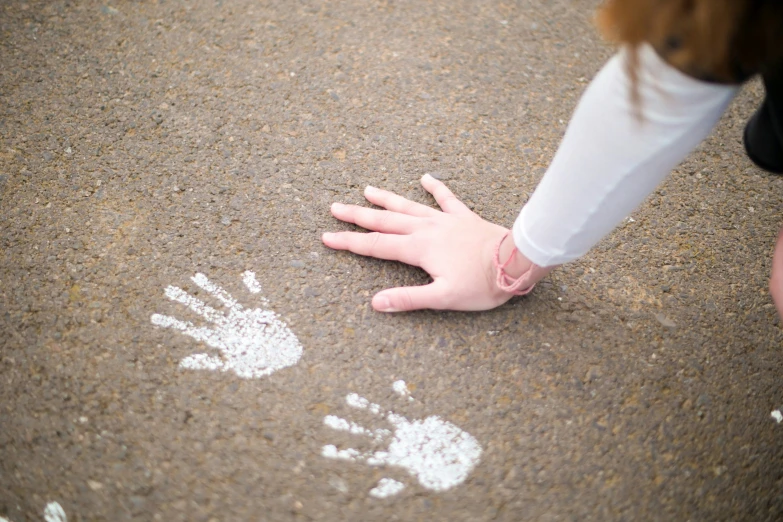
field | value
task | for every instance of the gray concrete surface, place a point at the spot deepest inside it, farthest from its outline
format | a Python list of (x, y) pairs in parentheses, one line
[(143, 142)]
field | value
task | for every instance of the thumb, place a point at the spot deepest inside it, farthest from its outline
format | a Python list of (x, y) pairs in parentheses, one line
[(407, 298)]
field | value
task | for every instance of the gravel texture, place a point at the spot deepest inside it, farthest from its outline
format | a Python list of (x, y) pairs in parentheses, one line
[(144, 142)]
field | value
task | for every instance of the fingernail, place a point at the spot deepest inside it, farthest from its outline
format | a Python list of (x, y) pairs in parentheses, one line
[(327, 235), (337, 206), (427, 176), (369, 189), (382, 303)]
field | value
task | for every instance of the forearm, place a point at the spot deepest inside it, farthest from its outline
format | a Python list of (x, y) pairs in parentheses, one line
[(610, 160)]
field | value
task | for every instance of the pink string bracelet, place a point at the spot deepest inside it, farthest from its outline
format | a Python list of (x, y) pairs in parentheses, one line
[(504, 281)]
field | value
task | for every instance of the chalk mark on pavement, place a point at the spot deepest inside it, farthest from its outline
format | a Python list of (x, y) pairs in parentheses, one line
[(253, 342), (439, 454)]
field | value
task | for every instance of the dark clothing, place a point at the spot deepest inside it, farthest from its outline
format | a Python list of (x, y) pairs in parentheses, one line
[(764, 132)]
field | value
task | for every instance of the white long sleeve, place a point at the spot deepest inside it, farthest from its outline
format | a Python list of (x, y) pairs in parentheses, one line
[(610, 160)]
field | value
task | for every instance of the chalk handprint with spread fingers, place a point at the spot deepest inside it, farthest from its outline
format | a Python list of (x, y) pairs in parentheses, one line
[(436, 452), (252, 342)]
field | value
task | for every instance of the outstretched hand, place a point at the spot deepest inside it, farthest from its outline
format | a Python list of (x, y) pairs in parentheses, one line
[(454, 246)]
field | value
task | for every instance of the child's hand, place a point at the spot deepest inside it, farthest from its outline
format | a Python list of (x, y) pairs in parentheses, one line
[(454, 246)]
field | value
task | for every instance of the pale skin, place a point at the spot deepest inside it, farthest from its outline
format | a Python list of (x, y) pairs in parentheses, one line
[(453, 245), (776, 279)]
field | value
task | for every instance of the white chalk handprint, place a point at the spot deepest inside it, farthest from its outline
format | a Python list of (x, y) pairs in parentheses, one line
[(436, 452), (253, 342)]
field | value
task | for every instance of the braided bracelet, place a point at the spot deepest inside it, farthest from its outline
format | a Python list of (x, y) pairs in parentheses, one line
[(504, 281)]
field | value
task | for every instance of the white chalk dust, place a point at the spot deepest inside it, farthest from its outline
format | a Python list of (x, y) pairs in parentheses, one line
[(386, 488), (54, 512), (439, 454), (252, 343)]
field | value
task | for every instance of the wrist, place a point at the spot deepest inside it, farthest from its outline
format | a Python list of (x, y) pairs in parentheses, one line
[(519, 264), (514, 272)]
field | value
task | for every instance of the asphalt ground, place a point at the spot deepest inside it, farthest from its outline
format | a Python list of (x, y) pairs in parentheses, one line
[(143, 143)]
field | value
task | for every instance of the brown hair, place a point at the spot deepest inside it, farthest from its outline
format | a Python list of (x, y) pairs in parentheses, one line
[(717, 40)]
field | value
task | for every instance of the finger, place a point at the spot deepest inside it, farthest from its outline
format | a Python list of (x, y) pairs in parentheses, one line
[(330, 451), (250, 281), (445, 198), (407, 298), (207, 312), (396, 420), (379, 458), (202, 334), (354, 400), (202, 281), (374, 244), (386, 488), (395, 203), (201, 361), (169, 322), (377, 220), (340, 424)]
